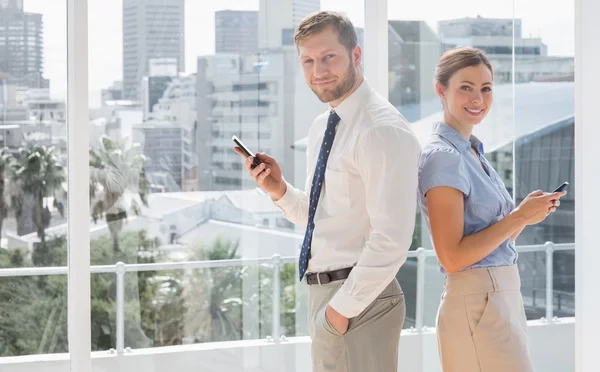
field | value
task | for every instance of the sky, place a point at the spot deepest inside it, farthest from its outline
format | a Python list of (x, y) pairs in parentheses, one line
[(554, 24)]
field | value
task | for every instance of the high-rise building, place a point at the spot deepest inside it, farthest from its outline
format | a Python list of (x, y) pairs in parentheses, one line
[(112, 93), (276, 17), (263, 101), (493, 35), (151, 29), (496, 36), (21, 45), (162, 145), (414, 49), (236, 31), (162, 71)]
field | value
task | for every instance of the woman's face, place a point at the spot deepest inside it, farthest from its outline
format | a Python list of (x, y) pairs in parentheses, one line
[(468, 96)]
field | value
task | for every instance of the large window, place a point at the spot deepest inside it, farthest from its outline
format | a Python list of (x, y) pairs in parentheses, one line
[(191, 264), (33, 179), (528, 135), (167, 189), (544, 151)]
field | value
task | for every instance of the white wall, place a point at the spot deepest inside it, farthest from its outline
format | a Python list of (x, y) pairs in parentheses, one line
[(551, 346), (587, 182)]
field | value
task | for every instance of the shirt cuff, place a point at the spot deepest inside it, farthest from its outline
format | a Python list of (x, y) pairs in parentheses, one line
[(288, 199), (346, 304)]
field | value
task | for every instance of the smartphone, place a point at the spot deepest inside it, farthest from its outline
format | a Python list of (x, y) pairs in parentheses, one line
[(562, 187), (246, 151)]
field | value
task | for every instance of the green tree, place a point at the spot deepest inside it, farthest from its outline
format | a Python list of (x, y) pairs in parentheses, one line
[(117, 179), (140, 291), (213, 297), (6, 160), (33, 317), (287, 297), (161, 307), (37, 174)]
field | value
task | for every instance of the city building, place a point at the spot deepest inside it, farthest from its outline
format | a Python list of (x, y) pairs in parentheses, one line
[(162, 71), (236, 31), (263, 101), (40, 106), (178, 106), (277, 17), (413, 51), (162, 144), (188, 218), (495, 37), (112, 93), (29, 116), (151, 29), (22, 45)]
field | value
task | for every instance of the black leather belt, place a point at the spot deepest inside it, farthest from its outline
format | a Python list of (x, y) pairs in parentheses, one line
[(327, 277)]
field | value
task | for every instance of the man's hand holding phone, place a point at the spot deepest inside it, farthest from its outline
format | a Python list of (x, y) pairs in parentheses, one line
[(267, 174)]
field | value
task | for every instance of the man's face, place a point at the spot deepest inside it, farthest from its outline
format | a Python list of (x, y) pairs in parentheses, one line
[(329, 70)]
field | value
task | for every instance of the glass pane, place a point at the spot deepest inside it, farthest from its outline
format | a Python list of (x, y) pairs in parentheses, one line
[(417, 37), (187, 250), (528, 135), (533, 266), (433, 288), (33, 315), (33, 179), (407, 277), (545, 145)]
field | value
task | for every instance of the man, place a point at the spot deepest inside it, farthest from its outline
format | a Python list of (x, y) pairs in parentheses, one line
[(358, 208)]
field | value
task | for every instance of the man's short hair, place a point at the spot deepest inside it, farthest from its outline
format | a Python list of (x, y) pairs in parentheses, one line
[(319, 21)]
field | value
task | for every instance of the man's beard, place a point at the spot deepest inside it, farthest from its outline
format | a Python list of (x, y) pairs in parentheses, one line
[(340, 90)]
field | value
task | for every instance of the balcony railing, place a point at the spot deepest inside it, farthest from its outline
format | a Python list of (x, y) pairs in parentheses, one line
[(120, 269)]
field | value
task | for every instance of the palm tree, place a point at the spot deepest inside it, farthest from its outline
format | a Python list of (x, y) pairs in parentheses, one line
[(117, 178), (5, 163), (37, 174), (213, 297)]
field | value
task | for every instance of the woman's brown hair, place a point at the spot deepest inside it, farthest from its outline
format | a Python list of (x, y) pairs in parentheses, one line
[(456, 59)]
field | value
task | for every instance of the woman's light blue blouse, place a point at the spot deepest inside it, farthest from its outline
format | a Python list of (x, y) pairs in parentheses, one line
[(446, 160)]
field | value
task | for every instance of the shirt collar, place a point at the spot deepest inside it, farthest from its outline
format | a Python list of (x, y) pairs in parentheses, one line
[(456, 139), (476, 143), (348, 108)]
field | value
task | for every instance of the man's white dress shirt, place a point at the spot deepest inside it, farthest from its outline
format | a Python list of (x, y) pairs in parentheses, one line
[(366, 213)]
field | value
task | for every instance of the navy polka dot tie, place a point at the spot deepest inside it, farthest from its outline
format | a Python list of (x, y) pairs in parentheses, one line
[(315, 190)]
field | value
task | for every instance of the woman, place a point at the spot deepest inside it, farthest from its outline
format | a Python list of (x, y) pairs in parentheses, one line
[(481, 323)]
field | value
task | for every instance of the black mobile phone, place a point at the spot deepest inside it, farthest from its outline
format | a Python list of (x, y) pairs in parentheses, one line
[(246, 151), (562, 187)]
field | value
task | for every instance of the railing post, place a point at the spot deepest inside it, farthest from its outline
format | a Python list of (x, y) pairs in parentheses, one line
[(420, 289), (549, 281), (277, 261), (120, 274)]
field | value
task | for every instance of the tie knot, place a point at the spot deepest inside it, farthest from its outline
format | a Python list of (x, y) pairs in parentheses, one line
[(333, 119)]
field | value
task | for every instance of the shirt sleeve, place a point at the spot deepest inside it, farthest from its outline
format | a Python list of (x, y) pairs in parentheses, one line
[(294, 203), (387, 159), (443, 167)]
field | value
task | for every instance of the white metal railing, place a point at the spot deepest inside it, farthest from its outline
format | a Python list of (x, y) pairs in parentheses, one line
[(120, 268)]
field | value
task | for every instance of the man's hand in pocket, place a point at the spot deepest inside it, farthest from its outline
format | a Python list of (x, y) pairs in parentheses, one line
[(337, 320)]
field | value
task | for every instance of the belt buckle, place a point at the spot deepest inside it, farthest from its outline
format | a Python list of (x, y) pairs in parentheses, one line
[(319, 278)]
